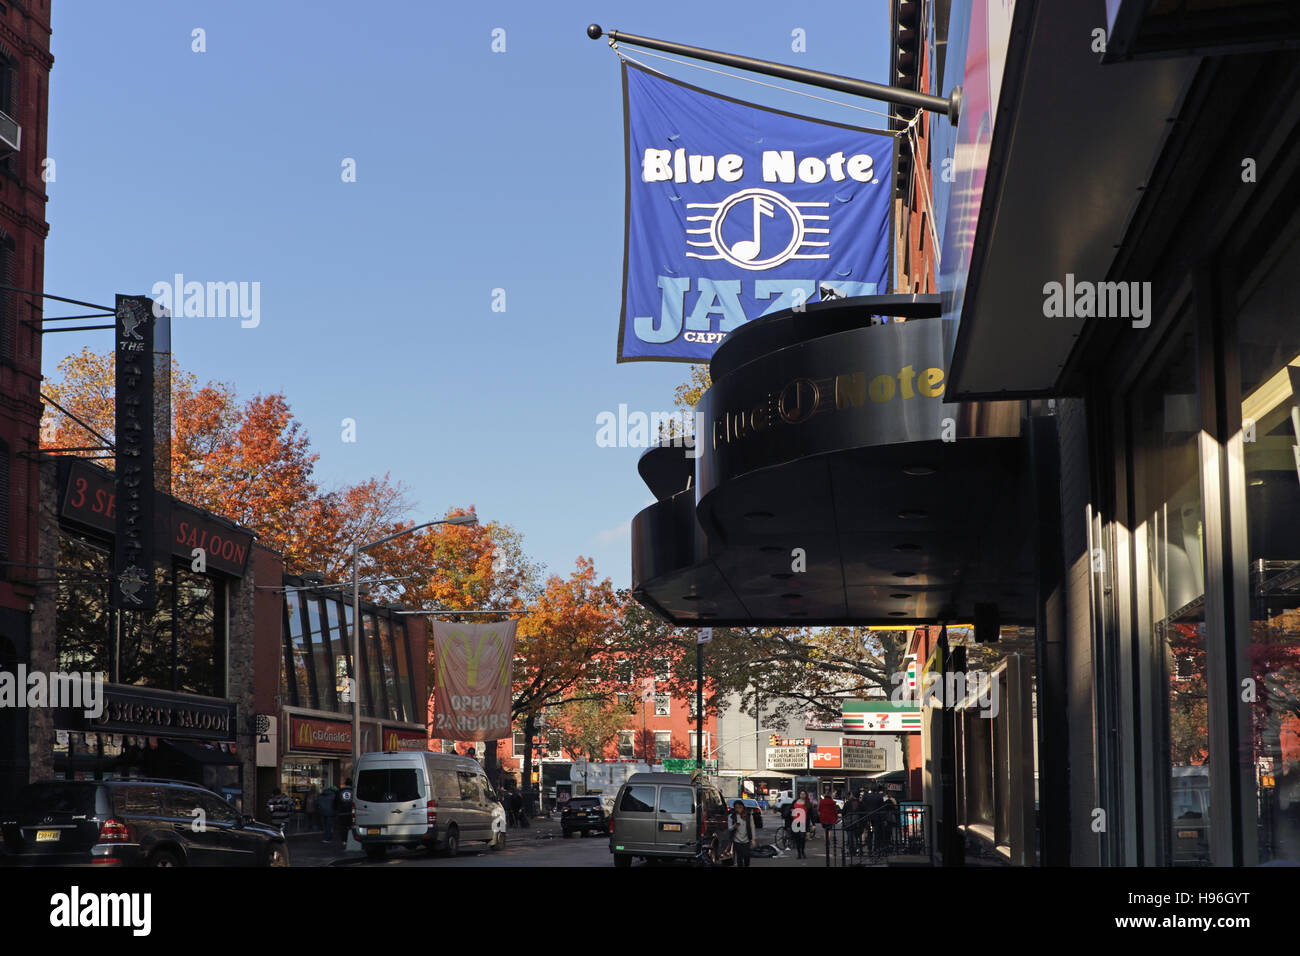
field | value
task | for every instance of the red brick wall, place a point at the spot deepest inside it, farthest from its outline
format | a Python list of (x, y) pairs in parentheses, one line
[(25, 42)]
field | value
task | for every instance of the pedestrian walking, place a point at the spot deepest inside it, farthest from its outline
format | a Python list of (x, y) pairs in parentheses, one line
[(279, 807), (327, 804), (872, 804), (343, 804), (828, 814), (889, 817), (741, 827), (800, 814), (313, 811), (852, 823)]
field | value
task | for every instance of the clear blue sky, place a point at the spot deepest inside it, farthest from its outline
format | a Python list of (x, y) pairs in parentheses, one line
[(475, 170)]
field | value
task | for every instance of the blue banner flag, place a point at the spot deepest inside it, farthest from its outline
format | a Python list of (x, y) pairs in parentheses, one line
[(736, 211)]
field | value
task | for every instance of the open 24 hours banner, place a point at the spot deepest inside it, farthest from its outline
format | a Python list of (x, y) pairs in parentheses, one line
[(473, 665), (736, 211)]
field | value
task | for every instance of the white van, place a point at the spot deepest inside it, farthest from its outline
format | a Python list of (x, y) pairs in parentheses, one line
[(414, 798)]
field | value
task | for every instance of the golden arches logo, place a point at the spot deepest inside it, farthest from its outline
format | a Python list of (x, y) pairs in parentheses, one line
[(304, 734), (473, 656), (392, 743)]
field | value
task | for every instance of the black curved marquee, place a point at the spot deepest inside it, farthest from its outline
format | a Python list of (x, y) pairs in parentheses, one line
[(835, 485)]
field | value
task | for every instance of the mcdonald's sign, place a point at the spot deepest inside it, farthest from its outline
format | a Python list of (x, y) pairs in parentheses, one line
[(398, 739), (319, 736)]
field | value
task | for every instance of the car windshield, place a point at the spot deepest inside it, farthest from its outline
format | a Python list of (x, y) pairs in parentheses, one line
[(583, 803)]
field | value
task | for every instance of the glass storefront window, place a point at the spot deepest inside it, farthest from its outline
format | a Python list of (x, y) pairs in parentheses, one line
[(374, 675), (1269, 349), (340, 652), (299, 653), (83, 615), (401, 654), (320, 654), (178, 646), (390, 669), (200, 633), (1168, 504)]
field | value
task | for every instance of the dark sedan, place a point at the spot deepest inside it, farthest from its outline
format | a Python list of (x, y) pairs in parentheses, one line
[(133, 823)]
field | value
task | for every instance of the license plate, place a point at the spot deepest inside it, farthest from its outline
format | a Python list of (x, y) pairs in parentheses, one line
[(372, 831), (1187, 834), (673, 827), (47, 836)]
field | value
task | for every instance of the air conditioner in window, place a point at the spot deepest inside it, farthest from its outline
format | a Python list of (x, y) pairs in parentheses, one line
[(10, 134)]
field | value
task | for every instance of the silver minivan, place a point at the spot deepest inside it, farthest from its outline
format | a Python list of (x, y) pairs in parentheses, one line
[(666, 815), (415, 798)]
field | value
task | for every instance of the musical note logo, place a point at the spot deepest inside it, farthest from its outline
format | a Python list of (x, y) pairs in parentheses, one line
[(767, 245)]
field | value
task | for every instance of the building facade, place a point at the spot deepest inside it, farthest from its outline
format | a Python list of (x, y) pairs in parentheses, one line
[(305, 689), (25, 64), (177, 681)]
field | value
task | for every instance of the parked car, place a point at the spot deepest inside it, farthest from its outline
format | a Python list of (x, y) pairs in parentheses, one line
[(583, 815), (655, 816), (1190, 816), (418, 799), (134, 823)]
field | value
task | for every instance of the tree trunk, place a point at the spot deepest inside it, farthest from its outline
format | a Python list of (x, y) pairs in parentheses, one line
[(490, 765), (527, 782)]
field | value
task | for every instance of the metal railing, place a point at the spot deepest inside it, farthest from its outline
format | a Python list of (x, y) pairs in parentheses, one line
[(871, 839)]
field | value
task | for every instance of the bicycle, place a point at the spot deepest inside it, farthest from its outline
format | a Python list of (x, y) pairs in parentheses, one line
[(784, 839)]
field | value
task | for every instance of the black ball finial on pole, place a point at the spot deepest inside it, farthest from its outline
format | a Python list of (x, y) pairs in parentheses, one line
[(594, 31)]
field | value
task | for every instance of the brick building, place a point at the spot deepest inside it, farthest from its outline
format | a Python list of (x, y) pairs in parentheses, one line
[(25, 63)]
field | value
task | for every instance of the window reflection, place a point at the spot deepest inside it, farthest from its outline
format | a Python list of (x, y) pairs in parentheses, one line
[(1166, 428), (1269, 348)]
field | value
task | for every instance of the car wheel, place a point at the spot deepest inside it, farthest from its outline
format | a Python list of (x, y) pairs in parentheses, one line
[(500, 842), (279, 855), (584, 834), (164, 858), (376, 851), (453, 841), (567, 834), (622, 860)]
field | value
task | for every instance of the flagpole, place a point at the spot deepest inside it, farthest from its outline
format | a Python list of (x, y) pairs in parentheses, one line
[(950, 107)]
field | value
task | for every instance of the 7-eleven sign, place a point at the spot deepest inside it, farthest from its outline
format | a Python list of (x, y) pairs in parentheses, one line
[(881, 717)]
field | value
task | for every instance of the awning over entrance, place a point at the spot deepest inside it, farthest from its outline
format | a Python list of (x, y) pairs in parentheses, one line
[(1039, 195), (834, 485)]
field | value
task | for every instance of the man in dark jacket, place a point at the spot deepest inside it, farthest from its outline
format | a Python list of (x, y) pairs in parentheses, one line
[(327, 804), (853, 824), (872, 810)]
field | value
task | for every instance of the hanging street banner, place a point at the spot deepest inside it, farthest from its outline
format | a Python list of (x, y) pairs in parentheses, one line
[(881, 716), (736, 211), (472, 672)]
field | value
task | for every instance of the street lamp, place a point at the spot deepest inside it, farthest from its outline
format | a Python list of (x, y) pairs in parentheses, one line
[(469, 519)]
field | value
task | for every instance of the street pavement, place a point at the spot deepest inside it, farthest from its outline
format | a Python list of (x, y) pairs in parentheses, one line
[(538, 845)]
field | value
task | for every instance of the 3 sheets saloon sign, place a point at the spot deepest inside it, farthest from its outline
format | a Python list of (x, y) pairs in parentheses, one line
[(735, 211)]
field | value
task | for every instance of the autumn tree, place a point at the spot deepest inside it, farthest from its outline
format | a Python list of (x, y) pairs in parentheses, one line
[(589, 726), (786, 671), (248, 461), (563, 638)]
